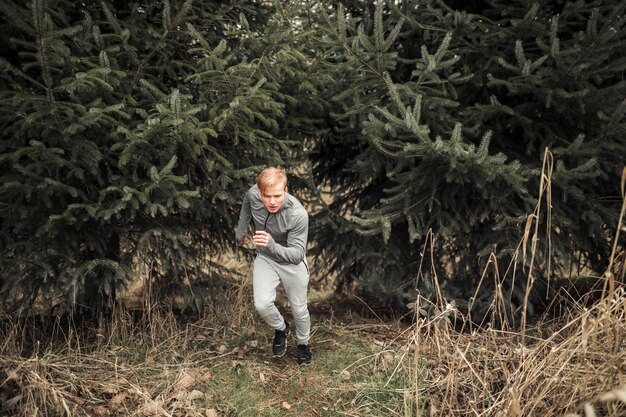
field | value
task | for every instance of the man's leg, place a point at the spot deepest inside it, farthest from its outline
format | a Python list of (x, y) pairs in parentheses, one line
[(264, 282), (295, 279)]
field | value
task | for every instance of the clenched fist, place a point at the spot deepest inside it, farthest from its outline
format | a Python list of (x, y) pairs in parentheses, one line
[(261, 238)]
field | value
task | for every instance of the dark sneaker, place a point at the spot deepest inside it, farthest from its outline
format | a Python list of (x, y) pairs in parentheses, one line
[(279, 347), (304, 355)]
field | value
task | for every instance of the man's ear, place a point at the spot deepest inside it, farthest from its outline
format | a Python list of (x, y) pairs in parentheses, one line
[(286, 189)]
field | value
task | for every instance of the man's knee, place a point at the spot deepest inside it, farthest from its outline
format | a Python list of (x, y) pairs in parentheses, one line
[(299, 311), (263, 307)]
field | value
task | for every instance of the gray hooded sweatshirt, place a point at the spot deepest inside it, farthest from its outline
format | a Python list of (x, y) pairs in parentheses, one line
[(288, 227)]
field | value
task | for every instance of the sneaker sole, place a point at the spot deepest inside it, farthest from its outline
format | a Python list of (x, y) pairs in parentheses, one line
[(280, 355)]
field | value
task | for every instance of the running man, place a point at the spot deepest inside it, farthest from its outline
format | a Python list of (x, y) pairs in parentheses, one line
[(281, 225)]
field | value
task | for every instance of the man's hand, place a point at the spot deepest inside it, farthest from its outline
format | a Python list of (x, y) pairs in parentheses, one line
[(261, 238), (244, 241)]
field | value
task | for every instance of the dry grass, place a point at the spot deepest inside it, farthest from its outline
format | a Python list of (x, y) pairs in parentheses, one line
[(571, 365), (201, 367), (219, 364), (574, 365)]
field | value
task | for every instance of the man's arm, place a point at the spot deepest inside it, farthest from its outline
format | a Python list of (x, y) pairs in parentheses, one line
[(244, 219), (295, 250)]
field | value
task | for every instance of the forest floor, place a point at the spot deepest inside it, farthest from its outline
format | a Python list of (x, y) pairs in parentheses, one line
[(216, 364), (220, 364)]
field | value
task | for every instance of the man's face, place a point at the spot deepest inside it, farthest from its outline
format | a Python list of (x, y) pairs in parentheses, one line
[(273, 197)]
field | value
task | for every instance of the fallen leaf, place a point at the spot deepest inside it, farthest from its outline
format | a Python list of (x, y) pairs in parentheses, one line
[(195, 394), (149, 360), (221, 349), (100, 411), (180, 395), (77, 400), (118, 400), (207, 376), (286, 405), (345, 375), (185, 382), (211, 413), (262, 377), (152, 408), (387, 358)]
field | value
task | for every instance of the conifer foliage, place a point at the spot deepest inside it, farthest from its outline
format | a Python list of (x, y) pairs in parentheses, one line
[(130, 130), (444, 112)]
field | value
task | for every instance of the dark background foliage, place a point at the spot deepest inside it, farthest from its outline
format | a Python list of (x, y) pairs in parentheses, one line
[(130, 130)]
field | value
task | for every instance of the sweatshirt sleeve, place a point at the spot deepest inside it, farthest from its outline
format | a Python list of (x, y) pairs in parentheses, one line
[(295, 250), (245, 216)]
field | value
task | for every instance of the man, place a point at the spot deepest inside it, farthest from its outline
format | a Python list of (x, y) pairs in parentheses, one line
[(281, 228)]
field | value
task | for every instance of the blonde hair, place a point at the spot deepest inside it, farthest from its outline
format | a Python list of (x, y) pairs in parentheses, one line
[(271, 177)]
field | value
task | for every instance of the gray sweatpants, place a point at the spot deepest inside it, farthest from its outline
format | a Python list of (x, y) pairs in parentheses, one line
[(266, 276)]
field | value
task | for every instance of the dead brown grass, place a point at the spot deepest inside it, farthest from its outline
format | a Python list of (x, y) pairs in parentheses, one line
[(575, 365), (218, 364), (572, 365)]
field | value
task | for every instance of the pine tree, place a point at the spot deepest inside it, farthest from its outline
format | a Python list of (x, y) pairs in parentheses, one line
[(443, 116), (131, 130)]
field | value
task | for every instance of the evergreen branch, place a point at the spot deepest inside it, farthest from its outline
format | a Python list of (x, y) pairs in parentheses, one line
[(393, 35), (346, 47), (6, 66), (532, 13), (341, 23), (152, 89), (365, 42), (379, 37), (183, 10), (111, 19), (519, 53), (39, 17), (443, 47), (17, 17), (167, 169), (70, 31), (181, 13), (555, 49), (592, 25), (418, 23), (198, 36), (97, 36), (167, 20), (395, 96)]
